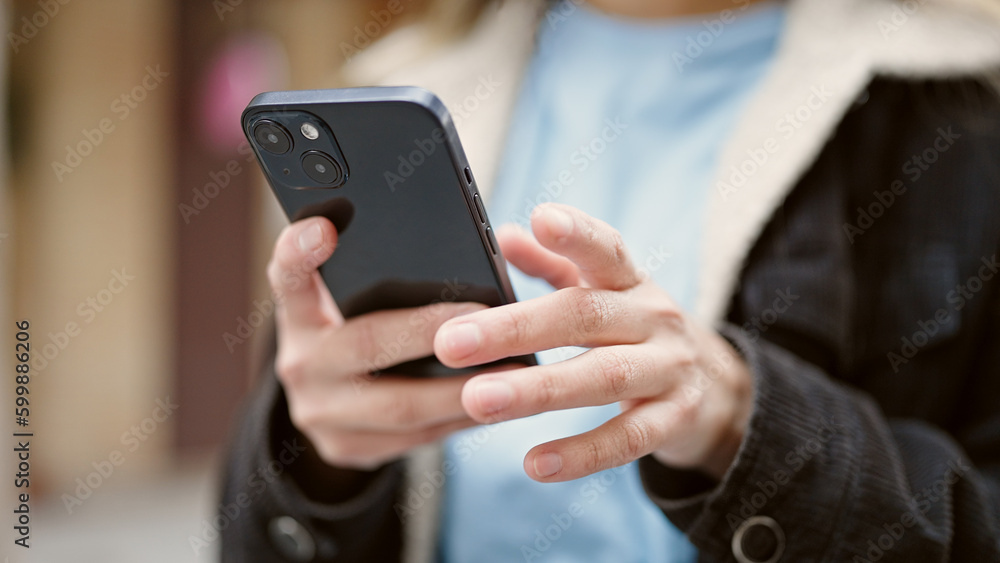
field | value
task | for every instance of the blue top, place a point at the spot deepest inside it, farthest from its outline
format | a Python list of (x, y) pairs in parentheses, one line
[(623, 119)]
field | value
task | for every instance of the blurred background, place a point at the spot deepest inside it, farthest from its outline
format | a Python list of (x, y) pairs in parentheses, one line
[(133, 238)]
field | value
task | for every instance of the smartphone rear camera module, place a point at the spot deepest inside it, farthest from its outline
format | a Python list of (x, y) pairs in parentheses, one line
[(297, 150), (322, 169), (272, 137)]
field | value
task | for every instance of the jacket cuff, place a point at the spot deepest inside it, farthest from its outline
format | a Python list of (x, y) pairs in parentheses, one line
[(788, 442), (282, 519)]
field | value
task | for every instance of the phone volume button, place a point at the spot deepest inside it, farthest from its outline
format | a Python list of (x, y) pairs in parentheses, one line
[(480, 210), (492, 240)]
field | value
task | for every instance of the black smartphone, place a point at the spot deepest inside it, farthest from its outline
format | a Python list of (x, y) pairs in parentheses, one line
[(385, 165)]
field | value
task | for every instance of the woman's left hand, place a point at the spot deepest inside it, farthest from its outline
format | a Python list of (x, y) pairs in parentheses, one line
[(685, 393)]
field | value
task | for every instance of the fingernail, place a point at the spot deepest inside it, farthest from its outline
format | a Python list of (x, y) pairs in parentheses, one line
[(560, 223), (547, 465), (310, 239), (494, 396), (462, 340)]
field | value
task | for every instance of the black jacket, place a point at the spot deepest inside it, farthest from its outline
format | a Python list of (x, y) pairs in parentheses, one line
[(869, 313)]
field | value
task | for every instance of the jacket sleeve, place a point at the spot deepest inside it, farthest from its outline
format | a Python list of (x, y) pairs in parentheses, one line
[(846, 459), (822, 475), (271, 508)]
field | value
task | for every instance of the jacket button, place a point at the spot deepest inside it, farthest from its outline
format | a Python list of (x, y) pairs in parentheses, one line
[(291, 539), (758, 540)]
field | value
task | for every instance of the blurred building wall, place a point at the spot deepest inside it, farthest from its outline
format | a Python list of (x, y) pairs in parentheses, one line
[(91, 220), (7, 463), (92, 91)]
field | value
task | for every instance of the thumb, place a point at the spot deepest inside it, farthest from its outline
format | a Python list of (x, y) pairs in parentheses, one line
[(293, 271)]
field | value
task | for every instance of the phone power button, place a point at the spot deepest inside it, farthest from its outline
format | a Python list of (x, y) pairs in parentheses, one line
[(493, 240)]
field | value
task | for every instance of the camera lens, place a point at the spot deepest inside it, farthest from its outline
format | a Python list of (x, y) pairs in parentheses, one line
[(321, 168), (272, 137)]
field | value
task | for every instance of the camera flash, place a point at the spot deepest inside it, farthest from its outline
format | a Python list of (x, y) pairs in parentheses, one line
[(309, 131)]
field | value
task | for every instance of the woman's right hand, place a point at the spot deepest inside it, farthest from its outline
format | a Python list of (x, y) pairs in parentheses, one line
[(355, 420)]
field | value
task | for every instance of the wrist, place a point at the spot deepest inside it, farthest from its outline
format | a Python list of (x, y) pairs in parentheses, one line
[(737, 396), (324, 483)]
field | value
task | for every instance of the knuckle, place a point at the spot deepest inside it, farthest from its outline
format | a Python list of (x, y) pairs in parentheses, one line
[(637, 437), (618, 371), (591, 311), (686, 363), (290, 369), (594, 458), (686, 413), (302, 417), (666, 314), (364, 341), (546, 392), (518, 327), (618, 251)]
